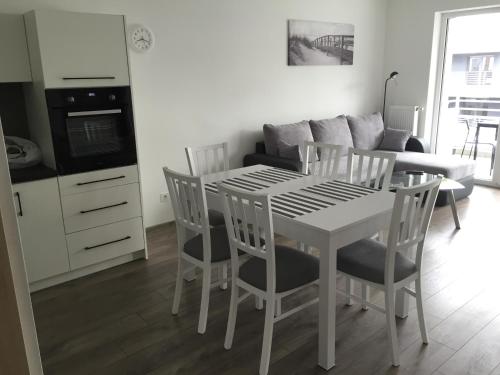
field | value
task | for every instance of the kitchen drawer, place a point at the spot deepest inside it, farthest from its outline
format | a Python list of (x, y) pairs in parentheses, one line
[(106, 242), (105, 178), (100, 207)]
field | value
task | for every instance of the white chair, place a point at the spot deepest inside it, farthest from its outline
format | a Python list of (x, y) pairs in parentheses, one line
[(329, 159), (385, 267), (370, 168), (208, 246), (272, 272), (208, 159)]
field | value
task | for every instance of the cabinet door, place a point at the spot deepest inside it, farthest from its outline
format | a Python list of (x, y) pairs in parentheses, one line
[(39, 215), (14, 63), (81, 49)]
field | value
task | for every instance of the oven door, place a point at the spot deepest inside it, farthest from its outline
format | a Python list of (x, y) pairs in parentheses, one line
[(92, 139)]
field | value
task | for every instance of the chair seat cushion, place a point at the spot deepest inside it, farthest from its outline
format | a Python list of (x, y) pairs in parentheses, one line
[(293, 269), (215, 218), (219, 245), (366, 259)]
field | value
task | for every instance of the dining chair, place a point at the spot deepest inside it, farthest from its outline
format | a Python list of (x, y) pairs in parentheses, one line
[(272, 271), (388, 267), (198, 244), (329, 159), (370, 168)]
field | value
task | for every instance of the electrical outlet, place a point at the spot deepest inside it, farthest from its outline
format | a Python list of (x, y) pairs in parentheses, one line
[(163, 197)]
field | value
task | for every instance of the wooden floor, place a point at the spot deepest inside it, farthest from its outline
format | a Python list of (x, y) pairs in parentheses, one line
[(118, 321)]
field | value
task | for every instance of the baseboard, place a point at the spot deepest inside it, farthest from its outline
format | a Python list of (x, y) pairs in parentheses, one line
[(59, 279)]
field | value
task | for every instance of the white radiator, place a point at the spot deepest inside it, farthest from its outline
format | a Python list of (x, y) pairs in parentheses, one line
[(403, 117)]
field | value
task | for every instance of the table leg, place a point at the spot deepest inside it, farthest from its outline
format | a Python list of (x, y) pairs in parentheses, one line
[(451, 198), (327, 303), (476, 140)]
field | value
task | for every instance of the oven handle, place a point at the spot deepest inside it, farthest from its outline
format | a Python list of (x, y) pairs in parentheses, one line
[(101, 77), (94, 113)]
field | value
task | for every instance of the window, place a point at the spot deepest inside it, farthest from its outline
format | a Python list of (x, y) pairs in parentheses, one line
[(480, 70)]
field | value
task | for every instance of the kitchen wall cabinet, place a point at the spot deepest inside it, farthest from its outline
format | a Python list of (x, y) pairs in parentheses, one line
[(14, 63), (78, 49), (40, 219)]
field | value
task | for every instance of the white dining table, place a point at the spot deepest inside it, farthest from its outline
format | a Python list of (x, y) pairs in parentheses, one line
[(346, 216)]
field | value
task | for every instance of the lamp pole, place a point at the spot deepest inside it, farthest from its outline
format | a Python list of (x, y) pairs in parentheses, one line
[(390, 78)]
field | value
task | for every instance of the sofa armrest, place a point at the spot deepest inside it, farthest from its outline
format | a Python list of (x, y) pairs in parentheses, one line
[(417, 144), (273, 161)]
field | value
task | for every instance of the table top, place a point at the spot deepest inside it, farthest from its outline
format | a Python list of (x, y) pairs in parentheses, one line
[(305, 201), (406, 179)]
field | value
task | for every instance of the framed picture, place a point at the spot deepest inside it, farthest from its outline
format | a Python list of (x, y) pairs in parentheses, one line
[(320, 43)]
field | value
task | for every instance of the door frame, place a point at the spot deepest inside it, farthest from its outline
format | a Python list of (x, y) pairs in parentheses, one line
[(21, 352), (436, 78)]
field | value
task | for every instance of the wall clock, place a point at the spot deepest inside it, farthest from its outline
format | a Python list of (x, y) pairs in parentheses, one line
[(141, 38)]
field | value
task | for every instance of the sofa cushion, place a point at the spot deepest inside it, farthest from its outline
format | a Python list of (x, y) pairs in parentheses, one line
[(394, 140), (367, 130), (293, 134), (288, 151), (450, 166), (332, 131)]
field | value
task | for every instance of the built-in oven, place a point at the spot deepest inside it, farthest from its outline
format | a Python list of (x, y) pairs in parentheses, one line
[(92, 128)]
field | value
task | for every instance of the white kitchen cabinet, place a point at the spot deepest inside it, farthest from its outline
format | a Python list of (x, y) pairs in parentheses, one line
[(14, 61), (41, 226), (78, 49)]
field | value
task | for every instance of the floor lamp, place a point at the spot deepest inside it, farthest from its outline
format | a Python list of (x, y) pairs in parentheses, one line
[(391, 77)]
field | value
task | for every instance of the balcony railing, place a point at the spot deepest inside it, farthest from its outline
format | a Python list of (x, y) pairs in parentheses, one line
[(479, 78)]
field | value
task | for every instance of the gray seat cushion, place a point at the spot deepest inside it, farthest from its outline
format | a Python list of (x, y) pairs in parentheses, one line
[(215, 218), (366, 259), (450, 166), (293, 269), (367, 131), (219, 244), (333, 131)]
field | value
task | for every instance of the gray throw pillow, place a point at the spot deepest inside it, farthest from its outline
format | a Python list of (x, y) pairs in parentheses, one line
[(367, 131), (288, 151), (333, 131), (293, 134), (394, 140)]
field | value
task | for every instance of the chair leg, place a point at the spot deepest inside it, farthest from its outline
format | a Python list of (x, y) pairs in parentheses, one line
[(259, 303), (390, 312), (231, 320), (420, 311), (223, 276), (365, 292), (205, 297), (178, 286), (278, 307), (268, 337), (348, 291)]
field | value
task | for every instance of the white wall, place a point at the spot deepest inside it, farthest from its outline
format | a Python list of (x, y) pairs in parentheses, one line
[(410, 27), (218, 72)]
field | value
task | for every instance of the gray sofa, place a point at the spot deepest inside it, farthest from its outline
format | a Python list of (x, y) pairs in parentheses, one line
[(281, 148)]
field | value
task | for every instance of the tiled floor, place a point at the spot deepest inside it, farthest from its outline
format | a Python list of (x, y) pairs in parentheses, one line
[(119, 322)]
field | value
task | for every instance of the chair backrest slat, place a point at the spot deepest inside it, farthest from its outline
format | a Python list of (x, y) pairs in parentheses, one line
[(248, 222), (411, 215), (329, 159), (360, 174), (188, 200), (208, 159)]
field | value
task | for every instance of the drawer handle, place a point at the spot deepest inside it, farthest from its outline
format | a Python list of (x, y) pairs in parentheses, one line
[(101, 77), (96, 181), (103, 208), (18, 196), (107, 243)]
